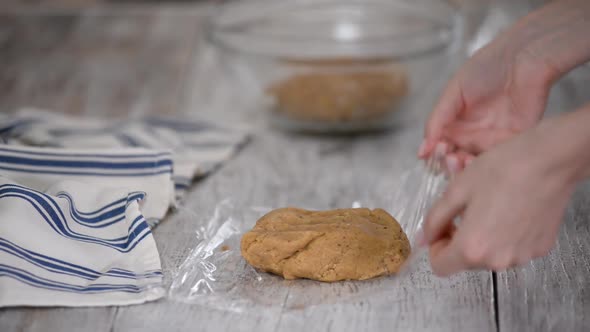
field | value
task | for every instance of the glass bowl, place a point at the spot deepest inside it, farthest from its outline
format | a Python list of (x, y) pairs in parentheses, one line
[(337, 65)]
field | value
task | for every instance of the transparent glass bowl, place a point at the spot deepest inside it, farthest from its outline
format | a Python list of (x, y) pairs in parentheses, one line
[(338, 65)]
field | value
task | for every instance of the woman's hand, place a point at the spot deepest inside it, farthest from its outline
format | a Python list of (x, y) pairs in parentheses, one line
[(498, 93), (511, 200), (502, 90)]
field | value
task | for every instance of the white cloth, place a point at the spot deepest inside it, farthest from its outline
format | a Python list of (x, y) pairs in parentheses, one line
[(76, 196), (193, 147), (75, 245), (133, 169)]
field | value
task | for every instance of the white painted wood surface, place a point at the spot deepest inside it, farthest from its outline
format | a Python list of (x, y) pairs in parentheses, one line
[(160, 59), (553, 293)]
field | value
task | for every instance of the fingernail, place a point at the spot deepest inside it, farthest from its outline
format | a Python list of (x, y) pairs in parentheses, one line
[(452, 164), (441, 149), (422, 149)]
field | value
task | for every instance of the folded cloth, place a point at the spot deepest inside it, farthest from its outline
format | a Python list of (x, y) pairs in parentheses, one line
[(133, 169), (78, 196), (196, 147), (75, 245)]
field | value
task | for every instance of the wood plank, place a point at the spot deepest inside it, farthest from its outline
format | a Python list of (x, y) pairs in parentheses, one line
[(97, 63), (57, 319), (552, 293), (279, 169), (75, 6)]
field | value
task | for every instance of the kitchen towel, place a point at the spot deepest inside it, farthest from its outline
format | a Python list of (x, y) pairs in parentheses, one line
[(77, 197), (189, 148), (75, 245)]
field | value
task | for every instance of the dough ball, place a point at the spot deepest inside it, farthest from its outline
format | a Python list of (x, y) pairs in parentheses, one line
[(341, 90), (344, 244)]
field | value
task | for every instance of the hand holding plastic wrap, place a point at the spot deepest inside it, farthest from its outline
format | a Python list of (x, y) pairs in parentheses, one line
[(215, 274)]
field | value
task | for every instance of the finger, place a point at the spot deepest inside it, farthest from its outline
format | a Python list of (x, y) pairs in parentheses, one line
[(457, 161), (442, 149), (464, 156), (446, 109), (437, 148), (454, 164), (475, 140), (445, 259), (448, 106), (443, 212), (437, 160), (426, 148)]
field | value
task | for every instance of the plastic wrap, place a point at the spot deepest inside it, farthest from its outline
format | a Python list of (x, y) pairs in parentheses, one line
[(215, 274)]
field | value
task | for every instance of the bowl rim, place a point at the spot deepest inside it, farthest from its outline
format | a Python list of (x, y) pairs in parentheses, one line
[(213, 31)]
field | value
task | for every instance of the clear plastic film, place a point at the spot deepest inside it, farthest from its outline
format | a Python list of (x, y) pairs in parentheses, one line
[(424, 185), (215, 275)]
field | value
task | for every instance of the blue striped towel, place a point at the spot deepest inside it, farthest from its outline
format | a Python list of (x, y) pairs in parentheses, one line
[(78, 197)]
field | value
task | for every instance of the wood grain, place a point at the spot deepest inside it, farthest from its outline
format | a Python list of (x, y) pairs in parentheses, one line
[(276, 169), (74, 6), (110, 63), (552, 293), (96, 63), (57, 319), (279, 169)]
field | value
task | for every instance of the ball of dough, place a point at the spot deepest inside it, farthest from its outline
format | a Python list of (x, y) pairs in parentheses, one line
[(341, 95), (344, 244)]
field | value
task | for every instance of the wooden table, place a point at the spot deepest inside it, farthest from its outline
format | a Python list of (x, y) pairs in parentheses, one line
[(127, 59)]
